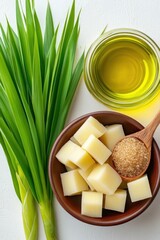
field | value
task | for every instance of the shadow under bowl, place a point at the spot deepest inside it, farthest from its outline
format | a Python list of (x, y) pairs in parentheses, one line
[(72, 204)]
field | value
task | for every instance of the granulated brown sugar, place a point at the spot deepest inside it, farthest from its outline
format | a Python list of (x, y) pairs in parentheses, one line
[(130, 157)]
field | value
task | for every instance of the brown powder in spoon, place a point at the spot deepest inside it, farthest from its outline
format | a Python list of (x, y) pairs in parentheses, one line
[(130, 157)]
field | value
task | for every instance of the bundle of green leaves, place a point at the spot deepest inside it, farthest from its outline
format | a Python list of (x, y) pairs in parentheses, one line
[(38, 79)]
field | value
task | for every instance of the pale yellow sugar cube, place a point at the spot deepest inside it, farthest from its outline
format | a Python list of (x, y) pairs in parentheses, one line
[(85, 175), (64, 154), (73, 183), (92, 204), (72, 155), (139, 189), (112, 135), (90, 126), (117, 201), (81, 158), (96, 149), (104, 179)]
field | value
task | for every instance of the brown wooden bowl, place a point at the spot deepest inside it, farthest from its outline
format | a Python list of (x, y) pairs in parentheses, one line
[(73, 204)]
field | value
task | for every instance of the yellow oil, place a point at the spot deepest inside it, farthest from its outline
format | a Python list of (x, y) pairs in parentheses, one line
[(126, 66)]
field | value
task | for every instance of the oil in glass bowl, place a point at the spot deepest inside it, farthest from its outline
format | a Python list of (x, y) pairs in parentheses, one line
[(122, 69)]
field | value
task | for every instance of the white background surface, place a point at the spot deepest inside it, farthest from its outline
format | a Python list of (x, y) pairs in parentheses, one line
[(143, 15)]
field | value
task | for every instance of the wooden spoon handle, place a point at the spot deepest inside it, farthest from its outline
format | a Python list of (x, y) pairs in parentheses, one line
[(146, 134)]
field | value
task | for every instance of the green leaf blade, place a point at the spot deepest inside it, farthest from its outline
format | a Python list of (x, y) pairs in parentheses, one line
[(24, 44), (49, 30), (20, 119), (11, 166), (17, 64), (20, 156), (40, 44), (6, 111), (37, 100), (51, 58), (29, 20)]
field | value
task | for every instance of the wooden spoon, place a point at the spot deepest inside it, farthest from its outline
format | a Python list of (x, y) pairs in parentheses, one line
[(144, 136)]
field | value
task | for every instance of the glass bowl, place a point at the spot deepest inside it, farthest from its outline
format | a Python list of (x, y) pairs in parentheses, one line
[(122, 69)]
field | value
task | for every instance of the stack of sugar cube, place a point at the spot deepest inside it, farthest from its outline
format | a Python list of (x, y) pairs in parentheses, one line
[(90, 173)]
